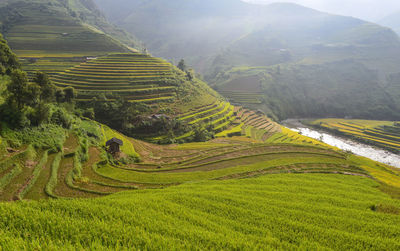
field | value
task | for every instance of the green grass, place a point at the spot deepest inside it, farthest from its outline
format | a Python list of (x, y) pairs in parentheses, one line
[(226, 106), (287, 212), (178, 177), (52, 183), (127, 147), (45, 137), (235, 130)]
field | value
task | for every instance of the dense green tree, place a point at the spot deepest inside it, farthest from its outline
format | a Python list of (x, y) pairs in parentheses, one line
[(59, 94), (70, 94), (182, 65), (18, 89), (48, 89), (190, 74), (201, 134), (33, 95), (8, 60)]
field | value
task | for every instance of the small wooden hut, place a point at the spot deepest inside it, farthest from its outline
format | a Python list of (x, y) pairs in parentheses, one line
[(113, 145)]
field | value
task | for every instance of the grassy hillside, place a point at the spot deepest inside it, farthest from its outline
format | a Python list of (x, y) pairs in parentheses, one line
[(321, 57), (54, 35), (37, 27)]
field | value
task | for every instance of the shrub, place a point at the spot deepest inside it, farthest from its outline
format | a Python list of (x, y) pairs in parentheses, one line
[(62, 118)]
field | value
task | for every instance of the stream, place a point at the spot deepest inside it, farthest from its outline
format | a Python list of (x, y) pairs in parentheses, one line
[(360, 149)]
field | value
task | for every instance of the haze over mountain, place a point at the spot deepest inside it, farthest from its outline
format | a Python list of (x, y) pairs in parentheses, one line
[(304, 60), (370, 10)]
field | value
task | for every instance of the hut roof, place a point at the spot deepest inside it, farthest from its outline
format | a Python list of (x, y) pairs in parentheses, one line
[(114, 140)]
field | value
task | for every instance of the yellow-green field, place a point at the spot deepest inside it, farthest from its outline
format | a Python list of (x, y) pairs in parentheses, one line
[(289, 192), (384, 134)]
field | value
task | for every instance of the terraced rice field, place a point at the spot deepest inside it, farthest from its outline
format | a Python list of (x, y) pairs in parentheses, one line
[(243, 90), (50, 65), (44, 28), (227, 193), (219, 115), (137, 77), (279, 211), (240, 97), (384, 134), (37, 175), (252, 124), (227, 121)]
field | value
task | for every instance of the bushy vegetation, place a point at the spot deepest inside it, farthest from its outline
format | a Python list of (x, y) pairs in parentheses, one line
[(8, 60), (46, 136)]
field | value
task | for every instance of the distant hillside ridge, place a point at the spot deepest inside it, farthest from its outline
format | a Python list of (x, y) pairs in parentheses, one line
[(231, 40), (58, 27)]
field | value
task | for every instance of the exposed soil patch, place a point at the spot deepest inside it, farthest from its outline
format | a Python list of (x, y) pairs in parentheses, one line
[(11, 190), (62, 189), (37, 191)]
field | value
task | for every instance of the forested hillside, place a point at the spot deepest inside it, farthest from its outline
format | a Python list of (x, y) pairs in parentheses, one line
[(231, 40)]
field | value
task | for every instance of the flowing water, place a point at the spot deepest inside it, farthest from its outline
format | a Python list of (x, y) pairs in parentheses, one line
[(364, 150)]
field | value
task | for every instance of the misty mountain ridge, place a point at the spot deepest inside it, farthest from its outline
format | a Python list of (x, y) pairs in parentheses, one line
[(223, 36), (181, 29)]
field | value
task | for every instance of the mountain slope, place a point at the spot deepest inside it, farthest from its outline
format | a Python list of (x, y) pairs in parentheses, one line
[(54, 27), (69, 40), (230, 35)]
